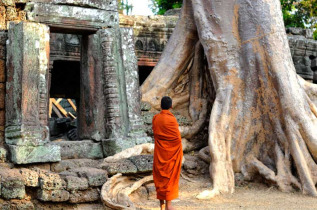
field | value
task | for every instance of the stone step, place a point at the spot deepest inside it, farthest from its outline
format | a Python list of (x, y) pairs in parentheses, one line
[(85, 149), (69, 164)]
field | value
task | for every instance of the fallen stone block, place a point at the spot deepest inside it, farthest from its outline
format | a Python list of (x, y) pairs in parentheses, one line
[(96, 177), (144, 163), (76, 183), (53, 195), (84, 196), (123, 166), (30, 178), (12, 184)]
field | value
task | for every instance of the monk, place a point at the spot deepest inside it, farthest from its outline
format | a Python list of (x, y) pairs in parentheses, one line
[(168, 154)]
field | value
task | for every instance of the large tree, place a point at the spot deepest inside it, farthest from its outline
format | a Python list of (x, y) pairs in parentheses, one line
[(234, 56)]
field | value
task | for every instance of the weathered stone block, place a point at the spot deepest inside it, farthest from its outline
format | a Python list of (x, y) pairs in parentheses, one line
[(74, 163), (65, 16), (123, 166), (144, 163), (76, 183), (2, 70), (80, 149), (84, 196), (50, 181), (12, 184), (96, 177), (30, 178), (29, 154), (53, 195)]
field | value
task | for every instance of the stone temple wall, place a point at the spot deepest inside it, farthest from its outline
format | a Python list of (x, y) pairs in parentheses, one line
[(152, 33), (302, 48)]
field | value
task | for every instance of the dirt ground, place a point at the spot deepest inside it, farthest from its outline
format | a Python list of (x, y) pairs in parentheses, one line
[(250, 196)]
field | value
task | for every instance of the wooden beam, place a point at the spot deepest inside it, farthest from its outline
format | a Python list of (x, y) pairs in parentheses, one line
[(70, 114), (59, 107), (59, 100), (50, 108), (57, 111), (72, 104)]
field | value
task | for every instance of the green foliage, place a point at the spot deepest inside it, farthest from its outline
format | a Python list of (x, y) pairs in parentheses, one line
[(125, 6), (300, 13), (290, 15), (159, 7)]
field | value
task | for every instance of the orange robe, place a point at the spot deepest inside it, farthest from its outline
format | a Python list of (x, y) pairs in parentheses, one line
[(168, 154)]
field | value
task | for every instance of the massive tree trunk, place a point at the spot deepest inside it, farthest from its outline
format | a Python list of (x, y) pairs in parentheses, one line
[(262, 123)]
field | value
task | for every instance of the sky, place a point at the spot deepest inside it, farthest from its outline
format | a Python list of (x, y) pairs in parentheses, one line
[(140, 7)]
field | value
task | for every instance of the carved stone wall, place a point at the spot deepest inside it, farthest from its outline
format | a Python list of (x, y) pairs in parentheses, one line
[(302, 47), (109, 109), (151, 35)]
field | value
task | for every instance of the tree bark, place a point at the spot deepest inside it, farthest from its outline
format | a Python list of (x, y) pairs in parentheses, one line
[(262, 120)]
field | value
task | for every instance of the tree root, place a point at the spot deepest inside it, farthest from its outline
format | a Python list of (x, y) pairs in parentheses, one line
[(115, 192), (147, 148), (204, 154), (187, 178), (189, 132)]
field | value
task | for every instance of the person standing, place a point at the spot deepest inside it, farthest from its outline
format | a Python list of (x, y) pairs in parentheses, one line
[(168, 154)]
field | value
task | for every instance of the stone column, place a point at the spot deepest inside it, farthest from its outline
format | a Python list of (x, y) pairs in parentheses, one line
[(91, 114), (115, 97), (121, 90), (26, 131), (136, 126)]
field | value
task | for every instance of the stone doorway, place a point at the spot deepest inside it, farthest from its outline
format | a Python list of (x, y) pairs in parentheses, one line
[(109, 102), (64, 99)]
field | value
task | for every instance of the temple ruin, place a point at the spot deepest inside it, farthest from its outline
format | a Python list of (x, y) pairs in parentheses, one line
[(83, 51)]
